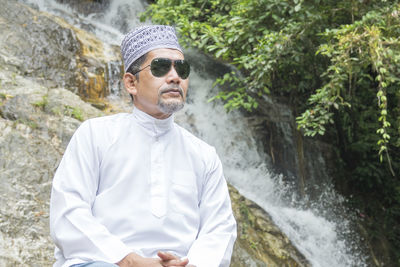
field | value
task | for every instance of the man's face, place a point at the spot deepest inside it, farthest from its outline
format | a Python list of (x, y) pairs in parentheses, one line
[(158, 96)]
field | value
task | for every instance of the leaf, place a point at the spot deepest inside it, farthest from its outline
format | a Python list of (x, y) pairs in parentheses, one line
[(193, 35)]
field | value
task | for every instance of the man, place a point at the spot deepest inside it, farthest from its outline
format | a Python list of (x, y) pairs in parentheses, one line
[(136, 189)]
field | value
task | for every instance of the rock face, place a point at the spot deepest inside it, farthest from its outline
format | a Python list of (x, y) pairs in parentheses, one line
[(47, 47), (44, 64), (303, 161), (260, 242)]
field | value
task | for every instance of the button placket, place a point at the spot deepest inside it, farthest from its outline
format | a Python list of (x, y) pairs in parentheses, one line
[(157, 191)]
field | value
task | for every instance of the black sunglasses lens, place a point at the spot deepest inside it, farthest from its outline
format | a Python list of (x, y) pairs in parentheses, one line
[(160, 66), (182, 68)]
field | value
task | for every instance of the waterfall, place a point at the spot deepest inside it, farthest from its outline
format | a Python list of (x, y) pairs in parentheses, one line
[(320, 229)]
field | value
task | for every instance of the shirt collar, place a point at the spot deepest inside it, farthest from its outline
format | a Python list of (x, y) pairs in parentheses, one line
[(156, 127)]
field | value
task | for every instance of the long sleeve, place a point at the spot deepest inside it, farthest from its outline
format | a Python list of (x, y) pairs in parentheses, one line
[(217, 234), (74, 229)]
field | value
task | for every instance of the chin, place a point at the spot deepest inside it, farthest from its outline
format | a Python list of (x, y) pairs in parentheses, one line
[(171, 106)]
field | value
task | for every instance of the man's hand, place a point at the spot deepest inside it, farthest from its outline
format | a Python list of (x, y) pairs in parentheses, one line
[(165, 260), (170, 260)]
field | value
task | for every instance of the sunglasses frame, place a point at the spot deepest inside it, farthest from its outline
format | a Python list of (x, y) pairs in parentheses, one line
[(172, 62)]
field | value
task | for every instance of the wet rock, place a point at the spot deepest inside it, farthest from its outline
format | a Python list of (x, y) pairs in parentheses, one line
[(32, 140), (26, 168), (37, 41), (45, 46), (305, 162), (260, 242)]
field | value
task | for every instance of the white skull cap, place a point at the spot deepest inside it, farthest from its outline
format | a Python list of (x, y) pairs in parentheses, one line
[(141, 40)]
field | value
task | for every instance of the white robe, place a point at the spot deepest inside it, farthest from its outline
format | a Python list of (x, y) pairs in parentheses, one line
[(133, 183)]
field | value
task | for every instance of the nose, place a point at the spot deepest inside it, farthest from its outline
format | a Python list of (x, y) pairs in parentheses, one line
[(172, 76)]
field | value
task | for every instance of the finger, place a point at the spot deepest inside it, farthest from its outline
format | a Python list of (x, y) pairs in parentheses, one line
[(183, 262), (177, 265), (165, 256), (178, 262)]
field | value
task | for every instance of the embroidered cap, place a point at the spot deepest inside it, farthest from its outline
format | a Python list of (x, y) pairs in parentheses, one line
[(146, 38)]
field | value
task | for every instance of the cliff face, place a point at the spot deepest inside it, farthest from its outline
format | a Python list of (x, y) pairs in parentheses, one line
[(47, 69)]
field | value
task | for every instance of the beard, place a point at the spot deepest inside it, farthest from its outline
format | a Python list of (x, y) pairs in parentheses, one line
[(170, 105)]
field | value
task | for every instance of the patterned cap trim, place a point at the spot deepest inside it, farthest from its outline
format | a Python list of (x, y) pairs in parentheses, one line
[(146, 38)]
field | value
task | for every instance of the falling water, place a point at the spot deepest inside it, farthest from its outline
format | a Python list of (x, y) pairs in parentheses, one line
[(320, 230)]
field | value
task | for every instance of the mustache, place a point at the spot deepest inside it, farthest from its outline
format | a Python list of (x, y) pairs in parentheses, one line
[(171, 87)]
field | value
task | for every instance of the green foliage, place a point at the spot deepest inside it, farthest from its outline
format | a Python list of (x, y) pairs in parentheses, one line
[(74, 112), (277, 46), (262, 38), (4, 97), (42, 103), (27, 121), (254, 245), (337, 61), (367, 49), (14, 79)]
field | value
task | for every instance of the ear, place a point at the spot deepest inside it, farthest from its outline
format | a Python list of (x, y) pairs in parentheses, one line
[(130, 82)]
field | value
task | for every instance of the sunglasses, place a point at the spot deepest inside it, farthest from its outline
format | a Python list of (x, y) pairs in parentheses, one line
[(161, 66)]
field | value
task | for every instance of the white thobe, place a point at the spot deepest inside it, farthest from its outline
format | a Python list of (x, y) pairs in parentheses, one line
[(133, 183)]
